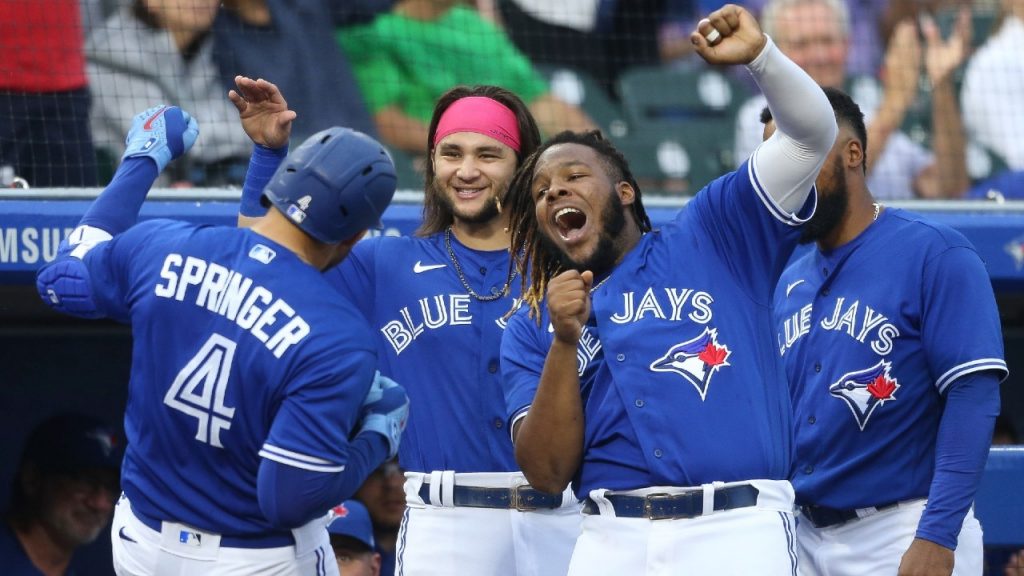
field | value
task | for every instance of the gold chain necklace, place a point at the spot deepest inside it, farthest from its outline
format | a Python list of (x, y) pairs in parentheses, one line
[(462, 277), (599, 284)]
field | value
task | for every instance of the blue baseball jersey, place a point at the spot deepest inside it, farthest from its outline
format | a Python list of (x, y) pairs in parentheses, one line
[(240, 351), (440, 343), (679, 379), (872, 335)]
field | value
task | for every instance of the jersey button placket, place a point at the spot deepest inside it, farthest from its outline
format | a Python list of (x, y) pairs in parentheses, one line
[(620, 357), (808, 469), (639, 403), (657, 452), (812, 420), (498, 423), (817, 366), (492, 366)]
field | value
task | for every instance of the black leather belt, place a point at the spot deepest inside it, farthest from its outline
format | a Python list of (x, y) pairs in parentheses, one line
[(675, 506), (522, 498), (824, 517)]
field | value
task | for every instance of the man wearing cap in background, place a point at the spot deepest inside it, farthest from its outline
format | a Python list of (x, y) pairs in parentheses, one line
[(62, 496), (351, 533)]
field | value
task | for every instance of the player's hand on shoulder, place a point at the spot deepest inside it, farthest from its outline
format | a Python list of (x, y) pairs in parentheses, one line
[(386, 411), (162, 133), (263, 111), (926, 558), (568, 301), (729, 35)]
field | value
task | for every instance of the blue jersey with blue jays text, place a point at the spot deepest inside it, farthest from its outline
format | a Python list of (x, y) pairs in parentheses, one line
[(440, 343), (680, 382), (241, 351), (872, 335)]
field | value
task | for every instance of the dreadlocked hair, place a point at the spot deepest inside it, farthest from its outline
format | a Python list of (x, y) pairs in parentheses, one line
[(536, 263)]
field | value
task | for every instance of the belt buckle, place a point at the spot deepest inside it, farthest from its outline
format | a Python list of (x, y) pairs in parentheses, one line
[(518, 503), (649, 509)]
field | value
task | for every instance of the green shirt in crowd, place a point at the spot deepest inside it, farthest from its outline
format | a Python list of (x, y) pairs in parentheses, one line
[(399, 61)]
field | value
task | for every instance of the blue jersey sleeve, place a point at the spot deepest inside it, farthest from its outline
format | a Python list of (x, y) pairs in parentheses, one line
[(320, 411), (961, 449), (109, 266), (742, 225), (356, 277), (960, 326), (523, 353)]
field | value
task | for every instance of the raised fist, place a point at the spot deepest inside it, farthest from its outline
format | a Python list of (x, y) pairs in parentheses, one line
[(162, 133)]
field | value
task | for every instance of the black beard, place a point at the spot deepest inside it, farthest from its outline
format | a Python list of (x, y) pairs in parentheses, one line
[(486, 214), (831, 207), (606, 254)]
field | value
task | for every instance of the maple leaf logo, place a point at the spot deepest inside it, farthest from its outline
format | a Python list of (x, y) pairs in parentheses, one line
[(882, 388), (713, 355), (865, 390), (696, 359)]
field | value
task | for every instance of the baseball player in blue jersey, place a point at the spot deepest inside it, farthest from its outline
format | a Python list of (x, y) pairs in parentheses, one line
[(253, 402), (641, 367), (437, 302), (892, 346)]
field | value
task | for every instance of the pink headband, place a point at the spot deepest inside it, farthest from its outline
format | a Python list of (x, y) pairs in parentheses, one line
[(481, 115)]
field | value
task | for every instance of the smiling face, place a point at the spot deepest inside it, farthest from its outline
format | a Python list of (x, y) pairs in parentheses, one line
[(580, 207), (812, 36), (471, 172)]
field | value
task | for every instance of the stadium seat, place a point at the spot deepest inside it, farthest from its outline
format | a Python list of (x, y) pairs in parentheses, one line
[(656, 96), (983, 22), (679, 159), (579, 88)]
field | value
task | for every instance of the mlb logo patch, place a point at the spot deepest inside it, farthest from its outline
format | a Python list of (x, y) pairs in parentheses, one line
[(296, 214), (262, 253), (190, 538)]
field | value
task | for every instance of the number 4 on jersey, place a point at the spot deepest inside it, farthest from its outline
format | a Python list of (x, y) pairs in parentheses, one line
[(199, 389)]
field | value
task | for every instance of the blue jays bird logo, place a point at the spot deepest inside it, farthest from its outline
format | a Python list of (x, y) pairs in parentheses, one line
[(865, 390), (695, 360)]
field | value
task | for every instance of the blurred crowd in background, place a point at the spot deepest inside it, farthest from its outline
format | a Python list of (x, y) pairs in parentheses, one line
[(940, 80)]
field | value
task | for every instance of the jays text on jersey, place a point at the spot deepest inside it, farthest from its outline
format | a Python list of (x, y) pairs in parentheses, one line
[(680, 382), (872, 334)]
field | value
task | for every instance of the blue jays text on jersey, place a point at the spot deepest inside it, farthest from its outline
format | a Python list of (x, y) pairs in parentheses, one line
[(440, 343), (858, 321), (680, 381), (870, 345), (241, 352)]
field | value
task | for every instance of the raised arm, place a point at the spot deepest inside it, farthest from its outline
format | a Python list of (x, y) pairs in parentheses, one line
[(788, 162), (157, 136), (266, 119), (947, 177)]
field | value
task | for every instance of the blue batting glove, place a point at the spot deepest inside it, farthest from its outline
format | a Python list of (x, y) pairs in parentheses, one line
[(162, 133), (388, 415), (376, 391)]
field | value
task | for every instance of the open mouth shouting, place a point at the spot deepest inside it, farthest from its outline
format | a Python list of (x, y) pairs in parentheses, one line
[(570, 223)]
